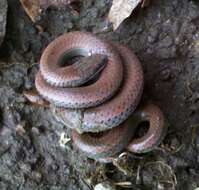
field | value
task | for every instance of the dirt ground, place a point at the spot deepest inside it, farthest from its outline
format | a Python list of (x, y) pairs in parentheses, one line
[(165, 37)]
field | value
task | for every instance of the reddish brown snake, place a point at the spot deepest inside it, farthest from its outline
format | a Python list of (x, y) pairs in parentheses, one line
[(107, 144), (80, 97), (101, 105), (116, 110)]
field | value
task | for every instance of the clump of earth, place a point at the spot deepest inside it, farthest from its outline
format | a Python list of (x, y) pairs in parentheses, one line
[(36, 151)]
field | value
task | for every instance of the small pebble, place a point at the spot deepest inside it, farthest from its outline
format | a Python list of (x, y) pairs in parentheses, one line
[(165, 74), (36, 176), (105, 186)]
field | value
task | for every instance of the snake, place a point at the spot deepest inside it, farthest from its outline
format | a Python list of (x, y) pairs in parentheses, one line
[(101, 109), (103, 146), (49, 80)]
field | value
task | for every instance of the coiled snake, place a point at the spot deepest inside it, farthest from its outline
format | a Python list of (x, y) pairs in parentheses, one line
[(104, 110)]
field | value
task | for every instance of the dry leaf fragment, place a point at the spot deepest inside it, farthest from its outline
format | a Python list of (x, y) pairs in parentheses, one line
[(32, 8), (121, 9)]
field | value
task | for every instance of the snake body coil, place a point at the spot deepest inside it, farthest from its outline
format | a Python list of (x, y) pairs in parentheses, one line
[(102, 105)]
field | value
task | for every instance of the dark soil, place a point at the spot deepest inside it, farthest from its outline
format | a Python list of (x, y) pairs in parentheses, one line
[(165, 37)]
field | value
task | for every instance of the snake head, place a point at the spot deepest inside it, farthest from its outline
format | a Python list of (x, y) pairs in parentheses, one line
[(34, 97), (89, 67)]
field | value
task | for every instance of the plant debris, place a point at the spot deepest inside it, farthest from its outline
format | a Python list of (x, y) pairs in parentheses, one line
[(161, 173), (32, 8), (121, 9)]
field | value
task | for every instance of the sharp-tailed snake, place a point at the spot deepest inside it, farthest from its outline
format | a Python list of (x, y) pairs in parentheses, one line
[(98, 95)]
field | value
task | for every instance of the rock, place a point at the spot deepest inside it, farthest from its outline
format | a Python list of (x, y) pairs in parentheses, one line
[(3, 17)]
